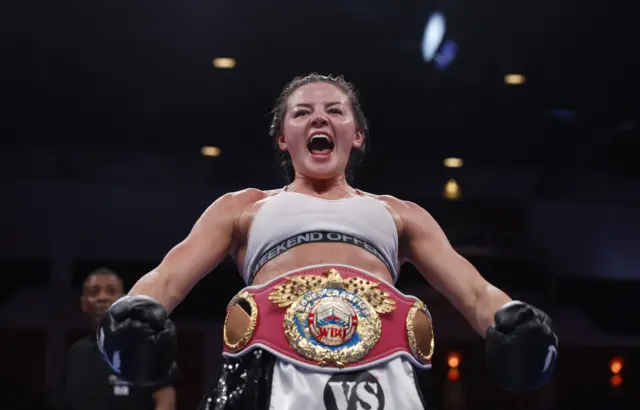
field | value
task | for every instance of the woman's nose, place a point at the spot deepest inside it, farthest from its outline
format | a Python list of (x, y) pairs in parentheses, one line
[(319, 120)]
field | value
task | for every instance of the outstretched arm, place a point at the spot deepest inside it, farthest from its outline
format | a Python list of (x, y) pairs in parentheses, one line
[(204, 248), (427, 247), (136, 337), (520, 344)]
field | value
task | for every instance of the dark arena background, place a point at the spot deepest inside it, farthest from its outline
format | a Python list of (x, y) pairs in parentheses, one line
[(515, 124)]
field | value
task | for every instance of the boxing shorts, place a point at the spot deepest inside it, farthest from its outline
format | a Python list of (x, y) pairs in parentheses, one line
[(327, 337)]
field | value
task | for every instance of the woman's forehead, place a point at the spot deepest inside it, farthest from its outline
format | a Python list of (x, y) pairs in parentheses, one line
[(318, 93)]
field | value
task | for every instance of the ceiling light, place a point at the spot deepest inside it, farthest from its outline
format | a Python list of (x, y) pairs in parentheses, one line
[(453, 162), (514, 79), (210, 151), (452, 190), (224, 62), (433, 36)]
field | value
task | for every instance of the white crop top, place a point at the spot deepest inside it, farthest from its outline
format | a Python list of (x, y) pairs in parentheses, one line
[(289, 219)]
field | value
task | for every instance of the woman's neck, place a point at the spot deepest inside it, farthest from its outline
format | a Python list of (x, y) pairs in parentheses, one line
[(333, 188)]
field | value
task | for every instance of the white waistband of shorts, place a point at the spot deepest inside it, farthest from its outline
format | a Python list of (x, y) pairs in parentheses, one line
[(329, 370)]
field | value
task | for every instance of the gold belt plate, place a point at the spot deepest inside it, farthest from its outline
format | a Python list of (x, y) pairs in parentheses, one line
[(331, 320)]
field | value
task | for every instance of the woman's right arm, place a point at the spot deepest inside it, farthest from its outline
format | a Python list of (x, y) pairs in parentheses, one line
[(199, 253)]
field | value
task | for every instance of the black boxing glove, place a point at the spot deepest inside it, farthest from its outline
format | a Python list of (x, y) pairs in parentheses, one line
[(521, 347), (137, 340)]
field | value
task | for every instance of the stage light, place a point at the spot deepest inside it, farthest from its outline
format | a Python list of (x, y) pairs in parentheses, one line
[(453, 162), (453, 360), (438, 46), (514, 79), (616, 364), (616, 380), (210, 151), (224, 62), (433, 35), (453, 375), (452, 190)]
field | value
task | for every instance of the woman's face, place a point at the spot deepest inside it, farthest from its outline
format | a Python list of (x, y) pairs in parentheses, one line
[(319, 130)]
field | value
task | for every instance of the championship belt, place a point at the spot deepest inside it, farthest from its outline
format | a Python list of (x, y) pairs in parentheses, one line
[(330, 319)]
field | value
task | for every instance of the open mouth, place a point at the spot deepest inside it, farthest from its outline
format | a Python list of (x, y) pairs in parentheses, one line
[(320, 144)]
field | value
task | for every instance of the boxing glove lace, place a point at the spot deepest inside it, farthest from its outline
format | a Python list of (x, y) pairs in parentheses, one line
[(521, 347), (137, 340)]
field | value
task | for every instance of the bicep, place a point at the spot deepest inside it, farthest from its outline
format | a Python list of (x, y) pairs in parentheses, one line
[(202, 250), (453, 275), (445, 269)]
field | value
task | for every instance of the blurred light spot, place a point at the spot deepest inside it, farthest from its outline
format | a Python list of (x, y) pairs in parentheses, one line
[(447, 54), (616, 380), (451, 190), (433, 35), (616, 364), (210, 151), (453, 375), (224, 62), (514, 79), (453, 360), (453, 162)]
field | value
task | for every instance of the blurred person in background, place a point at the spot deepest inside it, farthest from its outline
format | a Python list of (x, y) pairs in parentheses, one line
[(87, 382), (321, 324)]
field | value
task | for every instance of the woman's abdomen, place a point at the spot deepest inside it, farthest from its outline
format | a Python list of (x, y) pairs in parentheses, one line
[(323, 253)]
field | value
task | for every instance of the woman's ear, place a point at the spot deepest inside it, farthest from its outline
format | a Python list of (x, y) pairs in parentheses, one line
[(281, 144), (358, 140)]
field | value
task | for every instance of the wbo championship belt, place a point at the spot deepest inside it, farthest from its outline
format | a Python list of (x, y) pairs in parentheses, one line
[(330, 319)]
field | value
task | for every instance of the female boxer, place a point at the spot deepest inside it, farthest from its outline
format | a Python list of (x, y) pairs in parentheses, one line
[(320, 324)]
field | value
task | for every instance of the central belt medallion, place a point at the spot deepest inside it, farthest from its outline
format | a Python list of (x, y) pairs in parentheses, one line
[(331, 320)]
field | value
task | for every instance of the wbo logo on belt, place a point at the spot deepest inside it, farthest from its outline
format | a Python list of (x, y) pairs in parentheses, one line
[(332, 320)]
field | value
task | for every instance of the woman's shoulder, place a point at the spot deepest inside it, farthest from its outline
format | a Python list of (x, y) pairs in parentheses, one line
[(389, 200)]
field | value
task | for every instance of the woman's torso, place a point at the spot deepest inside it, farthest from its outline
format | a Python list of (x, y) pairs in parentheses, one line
[(360, 209)]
